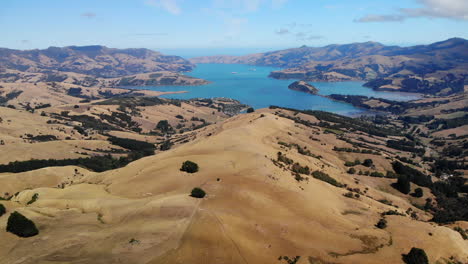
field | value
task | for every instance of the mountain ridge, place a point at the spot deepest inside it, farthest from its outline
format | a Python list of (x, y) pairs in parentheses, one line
[(96, 60), (440, 67)]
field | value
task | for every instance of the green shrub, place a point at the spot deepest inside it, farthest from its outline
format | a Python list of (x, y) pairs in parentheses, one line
[(189, 166), (416, 256), (352, 171), (382, 223), (297, 168), (282, 158), (391, 174), (368, 163), (134, 145), (166, 145), (392, 212), (198, 193), (377, 174), (21, 226), (351, 163), (326, 178), (2, 210), (418, 192), (250, 110), (33, 198)]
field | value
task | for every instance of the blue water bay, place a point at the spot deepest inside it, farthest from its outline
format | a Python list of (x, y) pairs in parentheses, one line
[(251, 85)]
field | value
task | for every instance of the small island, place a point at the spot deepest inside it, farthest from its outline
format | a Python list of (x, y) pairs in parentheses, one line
[(303, 86)]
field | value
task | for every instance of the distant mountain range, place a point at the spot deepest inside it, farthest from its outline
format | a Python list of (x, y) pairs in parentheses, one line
[(33, 78), (97, 61), (438, 68)]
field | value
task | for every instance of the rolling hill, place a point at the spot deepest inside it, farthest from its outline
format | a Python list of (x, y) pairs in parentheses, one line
[(278, 187)]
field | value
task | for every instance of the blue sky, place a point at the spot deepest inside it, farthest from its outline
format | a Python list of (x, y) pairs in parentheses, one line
[(249, 25)]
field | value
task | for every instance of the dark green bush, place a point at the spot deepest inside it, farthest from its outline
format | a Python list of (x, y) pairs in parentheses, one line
[(377, 174), (297, 168), (418, 192), (326, 178), (282, 158), (2, 210), (198, 193), (392, 212), (403, 184), (21, 226), (368, 163), (416, 256), (352, 163), (382, 223), (189, 166), (33, 198), (250, 110), (352, 171), (166, 145), (164, 126), (413, 175), (134, 145), (95, 163)]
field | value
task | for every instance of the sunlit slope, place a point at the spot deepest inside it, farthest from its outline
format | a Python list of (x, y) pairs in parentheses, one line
[(254, 210)]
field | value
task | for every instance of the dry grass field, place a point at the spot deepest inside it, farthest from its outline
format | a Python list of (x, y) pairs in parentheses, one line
[(255, 210)]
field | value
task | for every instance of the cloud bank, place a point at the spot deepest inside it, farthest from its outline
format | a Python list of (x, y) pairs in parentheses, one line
[(448, 9)]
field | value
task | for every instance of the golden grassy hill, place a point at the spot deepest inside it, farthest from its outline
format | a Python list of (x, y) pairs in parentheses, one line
[(255, 210), (53, 132)]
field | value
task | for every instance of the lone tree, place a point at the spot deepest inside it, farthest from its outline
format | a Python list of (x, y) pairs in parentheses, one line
[(418, 192), (403, 184), (416, 256), (368, 163), (381, 224), (198, 193), (2, 210), (189, 166), (164, 126), (21, 226), (250, 110)]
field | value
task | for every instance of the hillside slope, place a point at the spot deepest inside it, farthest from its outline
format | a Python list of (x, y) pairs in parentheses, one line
[(255, 211)]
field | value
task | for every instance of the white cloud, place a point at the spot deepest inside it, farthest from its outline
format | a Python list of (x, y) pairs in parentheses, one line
[(454, 9), (380, 18), (302, 32), (247, 5), (282, 31), (450, 9), (89, 15), (171, 6)]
